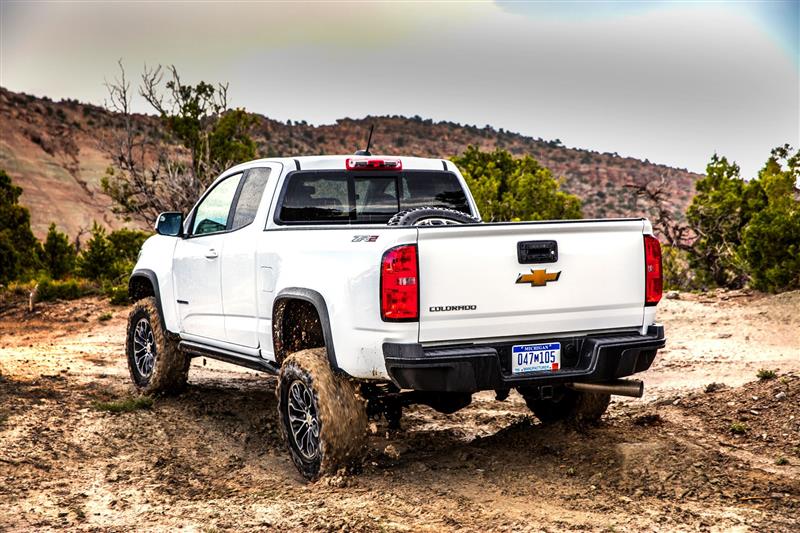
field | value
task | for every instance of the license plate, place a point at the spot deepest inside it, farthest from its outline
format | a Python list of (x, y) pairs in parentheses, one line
[(535, 357)]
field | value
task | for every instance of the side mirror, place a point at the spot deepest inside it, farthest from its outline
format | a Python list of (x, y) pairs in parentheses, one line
[(170, 224)]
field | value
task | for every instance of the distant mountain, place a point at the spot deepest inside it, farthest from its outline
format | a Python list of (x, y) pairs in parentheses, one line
[(51, 150)]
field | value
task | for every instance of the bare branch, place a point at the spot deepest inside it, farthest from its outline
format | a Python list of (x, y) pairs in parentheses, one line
[(656, 196), (151, 80)]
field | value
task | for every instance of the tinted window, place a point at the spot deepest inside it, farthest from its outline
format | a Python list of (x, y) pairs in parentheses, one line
[(376, 198), (250, 197), (324, 196), (314, 197), (432, 189), (211, 215)]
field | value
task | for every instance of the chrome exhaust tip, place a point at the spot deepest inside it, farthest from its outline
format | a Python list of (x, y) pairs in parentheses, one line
[(618, 387)]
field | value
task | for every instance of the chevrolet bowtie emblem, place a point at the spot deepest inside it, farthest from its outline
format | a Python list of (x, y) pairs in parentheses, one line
[(538, 278)]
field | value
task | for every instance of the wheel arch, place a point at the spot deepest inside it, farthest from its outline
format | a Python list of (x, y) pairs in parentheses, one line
[(142, 284), (308, 297)]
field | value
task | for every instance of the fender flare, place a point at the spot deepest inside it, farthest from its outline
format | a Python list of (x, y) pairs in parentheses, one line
[(150, 276), (318, 301)]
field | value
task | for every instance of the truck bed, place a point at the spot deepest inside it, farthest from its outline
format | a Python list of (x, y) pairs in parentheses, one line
[(475, 285)]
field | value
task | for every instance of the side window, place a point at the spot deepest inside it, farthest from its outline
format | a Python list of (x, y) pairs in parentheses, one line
[(249, 197), (212, 213), (313, 198)]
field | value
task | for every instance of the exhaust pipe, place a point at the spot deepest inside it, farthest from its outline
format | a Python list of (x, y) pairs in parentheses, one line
[(619, 387)]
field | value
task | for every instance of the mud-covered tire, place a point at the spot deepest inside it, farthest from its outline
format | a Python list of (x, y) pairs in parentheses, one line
[(339, 411), (569, 405), (435, 216), (170, 367)]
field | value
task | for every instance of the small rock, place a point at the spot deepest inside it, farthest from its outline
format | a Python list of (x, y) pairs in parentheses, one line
[(391, 452), (714, 387), (780, 396), (337, 481), (724, 335), (648, 419), (673, 295)]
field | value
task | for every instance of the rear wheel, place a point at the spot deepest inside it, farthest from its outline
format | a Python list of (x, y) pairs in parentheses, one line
[(154, 361), (323, 419), (568, 405)]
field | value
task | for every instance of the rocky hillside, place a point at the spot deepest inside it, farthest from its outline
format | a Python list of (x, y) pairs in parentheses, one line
[(51, 149)]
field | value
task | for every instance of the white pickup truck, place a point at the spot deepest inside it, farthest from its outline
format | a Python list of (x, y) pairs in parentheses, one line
[(368, 283)]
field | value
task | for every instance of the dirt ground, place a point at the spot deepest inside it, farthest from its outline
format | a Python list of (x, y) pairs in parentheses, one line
[(688, 456)]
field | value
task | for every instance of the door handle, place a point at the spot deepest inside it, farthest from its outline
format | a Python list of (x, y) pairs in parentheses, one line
[(211, 254)]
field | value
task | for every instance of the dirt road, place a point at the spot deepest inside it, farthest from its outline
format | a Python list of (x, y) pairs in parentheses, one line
[(212, 459)]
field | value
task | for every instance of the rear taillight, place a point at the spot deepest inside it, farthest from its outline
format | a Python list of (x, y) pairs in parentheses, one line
[(373, 163), (652, 270), (400, 284)]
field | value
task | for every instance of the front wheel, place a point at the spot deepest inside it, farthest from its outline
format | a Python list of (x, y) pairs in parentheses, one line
[(323, 419), (154, 361), (568, 405)]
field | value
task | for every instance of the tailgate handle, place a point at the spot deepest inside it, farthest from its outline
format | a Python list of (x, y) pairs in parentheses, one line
[(533, 252)]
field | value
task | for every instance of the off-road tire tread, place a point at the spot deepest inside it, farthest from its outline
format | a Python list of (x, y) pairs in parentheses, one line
[(341, 410), (409, 217), (171, 370)]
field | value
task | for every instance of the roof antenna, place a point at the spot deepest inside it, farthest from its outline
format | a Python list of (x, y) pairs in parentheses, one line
[(369, 143)]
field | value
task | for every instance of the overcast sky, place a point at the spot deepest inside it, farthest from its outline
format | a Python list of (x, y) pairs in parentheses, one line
[(669, 81)]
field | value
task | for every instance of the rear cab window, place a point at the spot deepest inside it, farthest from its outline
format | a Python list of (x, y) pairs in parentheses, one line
[(341, 197)]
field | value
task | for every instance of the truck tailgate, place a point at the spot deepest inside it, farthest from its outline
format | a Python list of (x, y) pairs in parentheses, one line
[(473, 286)]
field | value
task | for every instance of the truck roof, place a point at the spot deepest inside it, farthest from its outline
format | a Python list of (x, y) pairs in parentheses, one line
[(337, 162)]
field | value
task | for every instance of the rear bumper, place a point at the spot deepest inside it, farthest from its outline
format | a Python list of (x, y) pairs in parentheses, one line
[(472, 368)]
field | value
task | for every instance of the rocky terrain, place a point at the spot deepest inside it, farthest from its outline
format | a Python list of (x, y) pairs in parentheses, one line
[(709, 448), (53, 151)]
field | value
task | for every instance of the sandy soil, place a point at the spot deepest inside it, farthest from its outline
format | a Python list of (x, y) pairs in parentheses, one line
[(212, 459)]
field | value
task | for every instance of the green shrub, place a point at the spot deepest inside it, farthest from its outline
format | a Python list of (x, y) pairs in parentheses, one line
[(117, 294), (738, 428), (21, 288), (96, 261), (677, 273), (110, 257), (772, 250), (70, 289), (126, 405), (126, 243), (105, 317), (507, 188), (748, 231), (765, 374), (771, 241), (19, 249), (58, 254), (9, 259), (718, 214)]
